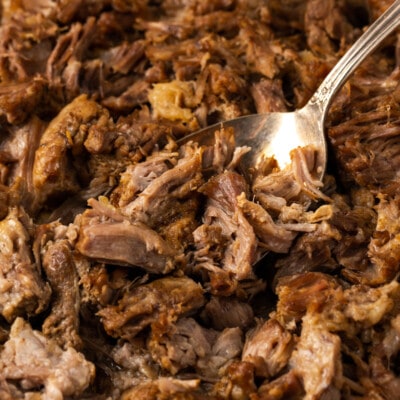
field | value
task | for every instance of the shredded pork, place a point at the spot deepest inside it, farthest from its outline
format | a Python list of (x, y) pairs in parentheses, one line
[(131, 263)]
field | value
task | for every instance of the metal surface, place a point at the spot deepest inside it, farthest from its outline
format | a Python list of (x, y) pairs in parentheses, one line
[(276, 134)]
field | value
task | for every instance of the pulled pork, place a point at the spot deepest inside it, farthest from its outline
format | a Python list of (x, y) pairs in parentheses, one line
[(132, 262)]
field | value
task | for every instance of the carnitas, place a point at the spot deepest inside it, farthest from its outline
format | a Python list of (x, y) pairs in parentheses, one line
[(135, 266)]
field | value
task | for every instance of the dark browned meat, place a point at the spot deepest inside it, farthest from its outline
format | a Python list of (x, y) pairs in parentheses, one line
[(226, 312), (53, 172), (19, 100), (297, 293), (62, 325), (238, 380), (157, 304), (287, 387), (268, 96), (325, 23), (130, 261)]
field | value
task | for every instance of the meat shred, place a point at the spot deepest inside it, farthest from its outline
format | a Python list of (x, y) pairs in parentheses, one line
[(135, 265)]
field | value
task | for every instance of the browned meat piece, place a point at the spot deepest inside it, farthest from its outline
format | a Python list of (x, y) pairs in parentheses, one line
[(268, 347), (179, 231), (173, 101), (68, 10), (272, 236), (325, 22), (97, 287), (307, 71), (287, 13), (342, 236), (4, 199), (190, 345), (161, 192), (157, 303), (53, 172), (157, 201), (114, 149), (383, 351), (46, 7), (223, 211), (368, 306), (101, 136), (352, 309), (222, 154), (17, 151), (275, 188), (160, 182), (297, 293), (238, 381), (164, 388), (23, 291), (286, 387), (108, 236), (23, 59), (123, 57), (70, 47), (139, 135), (376, 170), (365, 136), (216, 21), (62, 325), (19, 100), (261, 52), (268, 96), (93, 95), (316, 360), (135, 95), (63, 10), (386, 381), (41, 367), (309, 254), (228, 312), (383, 249), (131, 246), (17, 154)]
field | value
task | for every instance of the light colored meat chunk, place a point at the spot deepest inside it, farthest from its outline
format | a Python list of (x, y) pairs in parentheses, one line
[(22, 289), (316, 359), (41, 366), (268, 347), (106, 235)]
